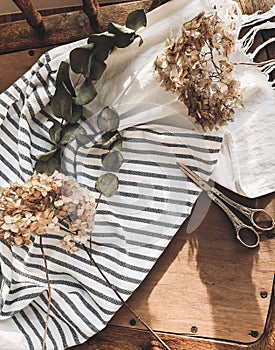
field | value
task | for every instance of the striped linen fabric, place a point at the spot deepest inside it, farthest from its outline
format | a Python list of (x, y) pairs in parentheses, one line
[(131, 230)]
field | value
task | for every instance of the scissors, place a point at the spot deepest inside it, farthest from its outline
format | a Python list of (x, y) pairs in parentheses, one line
[(259, 218)]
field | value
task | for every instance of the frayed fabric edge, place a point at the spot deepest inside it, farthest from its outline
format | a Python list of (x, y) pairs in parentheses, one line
[(248, 39)]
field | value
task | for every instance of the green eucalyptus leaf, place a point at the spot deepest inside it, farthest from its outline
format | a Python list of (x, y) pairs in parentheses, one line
[(107, 184), (55, 131), (46, 156), (61, 103), (123, 36), (85, 93), (111, 139), (108, 119), (63, 76), (104, 42), (76, 113), (49, 166), (80, 59), (112, 161), (69, 132), (97, 69), (136, 20)]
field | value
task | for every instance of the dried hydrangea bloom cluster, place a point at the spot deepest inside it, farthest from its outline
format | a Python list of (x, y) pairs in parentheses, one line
[(44, 204), (196, 67)]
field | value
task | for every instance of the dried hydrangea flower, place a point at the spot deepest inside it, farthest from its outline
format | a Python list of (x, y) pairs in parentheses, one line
[(196, 67), (44, 204)]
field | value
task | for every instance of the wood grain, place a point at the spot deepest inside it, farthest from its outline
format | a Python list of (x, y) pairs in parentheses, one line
[(192, 270), (62, 28), (15, 64), (229, 287), (32, 16), (206, 279)]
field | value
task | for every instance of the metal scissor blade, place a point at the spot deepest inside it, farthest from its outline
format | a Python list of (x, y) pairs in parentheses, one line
[(195, 178)]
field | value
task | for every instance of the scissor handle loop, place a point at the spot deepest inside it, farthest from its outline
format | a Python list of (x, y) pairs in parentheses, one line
[(256, 237), (239, 226), (250, 213)]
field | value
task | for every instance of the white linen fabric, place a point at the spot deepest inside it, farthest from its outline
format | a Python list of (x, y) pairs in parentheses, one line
[(134, 227)]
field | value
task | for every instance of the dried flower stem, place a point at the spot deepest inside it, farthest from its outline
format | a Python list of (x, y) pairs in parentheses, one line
[(49, 295), (256, 63), (124, 302)]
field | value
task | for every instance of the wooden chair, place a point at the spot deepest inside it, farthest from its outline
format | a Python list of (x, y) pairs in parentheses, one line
[(182, 297)]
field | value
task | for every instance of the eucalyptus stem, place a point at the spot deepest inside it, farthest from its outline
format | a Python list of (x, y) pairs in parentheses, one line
[(124, 302), (49, 295)]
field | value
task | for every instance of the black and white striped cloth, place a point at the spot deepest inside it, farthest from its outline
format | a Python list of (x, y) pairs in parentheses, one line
[(132, 228)]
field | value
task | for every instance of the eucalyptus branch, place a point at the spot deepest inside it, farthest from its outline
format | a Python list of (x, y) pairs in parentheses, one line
[(49, 295), (124, 302)]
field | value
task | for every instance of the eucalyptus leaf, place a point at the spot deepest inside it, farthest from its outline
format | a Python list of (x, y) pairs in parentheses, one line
[(69, 132), (61, 103), (47, 155), (77, 112), (80, 59), (97, 69), (112, 161), (108, 119), (55, 131), (104, 42), (110, 139), (136, 20), (50, 165), (85, 93), (107, 184), (123, 36), (63, 76)]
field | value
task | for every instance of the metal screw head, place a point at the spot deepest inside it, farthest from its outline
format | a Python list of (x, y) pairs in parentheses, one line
[(132, 322), (254, 334), (264, 294), (194, 329)]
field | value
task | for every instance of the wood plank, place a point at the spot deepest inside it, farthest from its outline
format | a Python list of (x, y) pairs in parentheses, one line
[(169, 293), (117, 337), (207, 280), (15, 64), (62, 28)]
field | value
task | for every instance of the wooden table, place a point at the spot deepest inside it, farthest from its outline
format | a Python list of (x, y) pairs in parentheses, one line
[(205, 292)]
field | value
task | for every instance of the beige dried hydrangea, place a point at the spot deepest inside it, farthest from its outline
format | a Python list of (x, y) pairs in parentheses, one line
[(196, 67), (45, 204)]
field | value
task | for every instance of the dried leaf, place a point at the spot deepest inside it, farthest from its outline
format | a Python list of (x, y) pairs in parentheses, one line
[(80, 59), (85, 93), (112, 161), (111, 139), (55, 131), (108, 119), (69, 132), (136, 20), (104, 44), (123, 35), (63, 76), (61, 103), (97, 69), (107, 184)]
